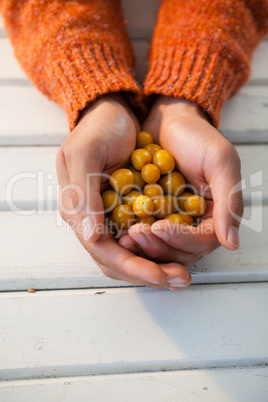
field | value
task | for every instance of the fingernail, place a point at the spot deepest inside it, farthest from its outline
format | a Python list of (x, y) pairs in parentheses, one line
[(88, 227), (173, 289), (133, 248), (177, 282), (141, 240), (160, 233), (233, 237)]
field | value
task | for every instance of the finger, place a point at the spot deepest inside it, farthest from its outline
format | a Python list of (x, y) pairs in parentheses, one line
[(85, 179), (132, 268), (173, 283), (228, 201), (119, 263), (200, 240), (156, 249)]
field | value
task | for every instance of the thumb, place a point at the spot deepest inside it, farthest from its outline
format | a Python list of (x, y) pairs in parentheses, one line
[(228, 201), (85, 175)]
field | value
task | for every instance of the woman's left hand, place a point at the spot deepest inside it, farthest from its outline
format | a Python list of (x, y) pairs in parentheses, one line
[(211, 165)]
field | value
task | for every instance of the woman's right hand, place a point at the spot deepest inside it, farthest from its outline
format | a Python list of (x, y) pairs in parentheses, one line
[(102, 142)]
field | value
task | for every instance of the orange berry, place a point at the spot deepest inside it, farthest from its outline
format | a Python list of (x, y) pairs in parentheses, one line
[(143, 206), (143, 138), (173, 183), (139, 183), (182, 198), (150, 173), (164, 160), (149, 220), (173, 203), (122, 180), (176, 218), (161, 207), (153, 190), (195, 205), (188, 219), (152, 148), (110, 200), (130, 197), (140, 157), (123, 216)]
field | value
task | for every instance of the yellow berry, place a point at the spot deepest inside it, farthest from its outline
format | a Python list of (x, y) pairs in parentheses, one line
[(153, 190), (161, 207), (164, 160), (149, 220), (150, 173), (173, 203), (176, 218), (122, 180), (173, 183), (195, 205), (187, 218), (110, 200), (123, 216), (130, 197), (140, 157), (152, 148), (143, 206), (182, 198), (139, 183), (143, 138)]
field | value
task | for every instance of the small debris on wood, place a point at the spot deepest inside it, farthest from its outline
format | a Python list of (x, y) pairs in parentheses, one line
[(31, 290), (99, 293)]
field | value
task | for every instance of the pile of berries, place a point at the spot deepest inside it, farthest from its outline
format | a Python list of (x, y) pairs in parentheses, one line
[(150, 189)]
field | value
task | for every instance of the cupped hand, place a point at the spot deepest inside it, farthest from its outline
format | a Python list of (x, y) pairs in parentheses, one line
[(211, 165), (102, 142)]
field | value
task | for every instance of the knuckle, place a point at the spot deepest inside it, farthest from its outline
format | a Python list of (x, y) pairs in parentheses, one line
[(236, 203), (229, 155)]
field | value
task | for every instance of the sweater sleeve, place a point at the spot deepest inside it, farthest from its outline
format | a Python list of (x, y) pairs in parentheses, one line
[(73, 51), (201, 49)]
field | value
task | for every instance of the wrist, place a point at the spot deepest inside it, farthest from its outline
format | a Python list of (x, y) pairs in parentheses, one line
[(182, 107)]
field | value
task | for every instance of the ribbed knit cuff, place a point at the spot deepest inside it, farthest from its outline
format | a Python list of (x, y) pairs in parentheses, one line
[(73, 51), (201, 52), (194, 74), (82, 72)]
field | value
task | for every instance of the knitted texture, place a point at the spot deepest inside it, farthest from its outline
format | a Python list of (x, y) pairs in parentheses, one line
[(77, 50), (73, 51), (201, 49)]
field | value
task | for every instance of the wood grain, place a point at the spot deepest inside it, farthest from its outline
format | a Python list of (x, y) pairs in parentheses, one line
[(221, 385), (132, 330), (48, 255)]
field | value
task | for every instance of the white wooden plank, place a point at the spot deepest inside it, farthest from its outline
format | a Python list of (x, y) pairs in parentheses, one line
[(80, 332), (42, 252), (9, 67), (246, 113), (232, 385), (28, 179), (27, 117), (38, 121), (260, 63)]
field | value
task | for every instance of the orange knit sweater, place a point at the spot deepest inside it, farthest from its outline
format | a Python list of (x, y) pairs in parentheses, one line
[(76, 50)]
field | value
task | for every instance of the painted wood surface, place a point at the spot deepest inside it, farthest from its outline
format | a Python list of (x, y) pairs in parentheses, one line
[(132, 330), (28, 118), (28, 176), (221, 385), (49, 256)]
